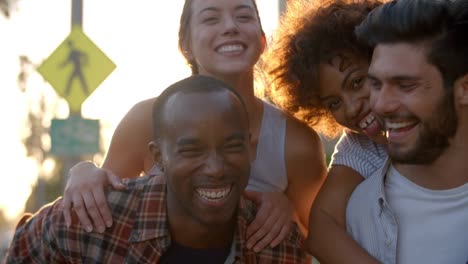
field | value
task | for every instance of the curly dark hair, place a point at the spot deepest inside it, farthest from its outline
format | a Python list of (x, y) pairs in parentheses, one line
[(312, 32)]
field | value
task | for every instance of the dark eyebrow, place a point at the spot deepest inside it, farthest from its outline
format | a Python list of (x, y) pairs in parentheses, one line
[(345, 81), (326, 97), (187, 141), (395, 78), (243, 7), (404, 78), (212, 8), (236, 135)]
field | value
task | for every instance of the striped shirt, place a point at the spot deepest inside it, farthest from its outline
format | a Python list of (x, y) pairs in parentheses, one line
[(139, 234), (359, 152)]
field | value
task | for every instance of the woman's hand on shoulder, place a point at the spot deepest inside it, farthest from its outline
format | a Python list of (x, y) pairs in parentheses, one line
[(273, 221), (84, 192)]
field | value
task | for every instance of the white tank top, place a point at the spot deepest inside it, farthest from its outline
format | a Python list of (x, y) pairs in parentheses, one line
[(432, 224), (268, 171)]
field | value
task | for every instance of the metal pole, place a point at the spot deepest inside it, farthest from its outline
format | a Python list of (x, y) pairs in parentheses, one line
[(76, 21), (77, 13)]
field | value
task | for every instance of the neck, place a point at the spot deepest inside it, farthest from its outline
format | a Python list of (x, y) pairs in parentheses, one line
[(244, 85), (190, 232), (448, 171)]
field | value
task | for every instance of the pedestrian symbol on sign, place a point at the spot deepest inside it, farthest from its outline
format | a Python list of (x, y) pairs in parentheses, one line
[(77, 59)]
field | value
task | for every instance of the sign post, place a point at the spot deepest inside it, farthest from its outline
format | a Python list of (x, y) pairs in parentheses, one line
[(75, 69)]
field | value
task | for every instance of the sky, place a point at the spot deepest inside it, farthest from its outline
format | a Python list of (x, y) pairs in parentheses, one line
[(139, 36)]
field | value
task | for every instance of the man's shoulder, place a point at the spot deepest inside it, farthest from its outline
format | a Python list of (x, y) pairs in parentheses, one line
[(136, 190), (290, 250), (367, 194)]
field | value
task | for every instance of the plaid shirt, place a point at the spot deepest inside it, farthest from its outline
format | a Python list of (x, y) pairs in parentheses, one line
[(139, 234)]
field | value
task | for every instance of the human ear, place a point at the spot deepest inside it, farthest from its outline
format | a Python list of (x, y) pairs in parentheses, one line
[(461, 90), (155, 150), (264, 42)]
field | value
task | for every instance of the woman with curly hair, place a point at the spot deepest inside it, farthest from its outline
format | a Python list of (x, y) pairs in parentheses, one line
[(317, 71)]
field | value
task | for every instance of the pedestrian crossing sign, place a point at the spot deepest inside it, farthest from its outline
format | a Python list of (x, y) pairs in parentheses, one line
[(76, 68)]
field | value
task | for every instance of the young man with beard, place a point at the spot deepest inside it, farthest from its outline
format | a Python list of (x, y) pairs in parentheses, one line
[(415, 209), (193, 213)]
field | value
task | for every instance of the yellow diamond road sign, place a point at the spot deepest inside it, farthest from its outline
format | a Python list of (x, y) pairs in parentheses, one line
[(76, 68)]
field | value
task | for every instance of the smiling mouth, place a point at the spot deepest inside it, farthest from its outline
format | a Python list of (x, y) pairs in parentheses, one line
[(365, 122), (398, 126), (214, 195), (370, 125), (230, 48)]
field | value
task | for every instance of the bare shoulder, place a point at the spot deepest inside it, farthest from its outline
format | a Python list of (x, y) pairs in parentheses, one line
[(128, 153), (139, 114), (305, 167), (301, 140)]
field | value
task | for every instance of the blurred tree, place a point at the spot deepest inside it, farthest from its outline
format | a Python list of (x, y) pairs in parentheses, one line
[(6, 6), (36, 140)]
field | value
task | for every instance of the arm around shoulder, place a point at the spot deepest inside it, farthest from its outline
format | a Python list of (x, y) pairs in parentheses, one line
[(306, 168), (327, 226)]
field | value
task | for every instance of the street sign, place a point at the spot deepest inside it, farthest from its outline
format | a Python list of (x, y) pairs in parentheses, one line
[(76, 68), (74, 136)]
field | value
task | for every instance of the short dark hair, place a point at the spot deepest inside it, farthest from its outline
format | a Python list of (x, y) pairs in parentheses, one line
[(442, 25), (312, 32), (192, 84)]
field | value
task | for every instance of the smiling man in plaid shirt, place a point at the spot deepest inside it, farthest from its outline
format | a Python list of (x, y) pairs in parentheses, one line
[(192, 213)]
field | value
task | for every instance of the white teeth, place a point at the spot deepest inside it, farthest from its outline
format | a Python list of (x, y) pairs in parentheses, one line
[(214, 194), (230, 48), (366, 121), (396, 125)]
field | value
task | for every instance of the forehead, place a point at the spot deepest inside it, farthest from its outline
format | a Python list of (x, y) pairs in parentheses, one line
[(334, 72), (202, 5), (197, 108), (399, 59)]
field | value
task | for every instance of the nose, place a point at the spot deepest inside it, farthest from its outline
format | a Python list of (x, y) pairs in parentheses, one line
[(353, 107), (230, 25), (384, 101), (214, 165)]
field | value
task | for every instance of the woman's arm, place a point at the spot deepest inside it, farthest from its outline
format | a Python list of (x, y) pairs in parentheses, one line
[(328, 240), (305, 168), (127, 156)]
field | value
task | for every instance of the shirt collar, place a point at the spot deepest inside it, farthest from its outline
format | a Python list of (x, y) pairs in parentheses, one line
[(151, 216), (151, 219), (381, 176)]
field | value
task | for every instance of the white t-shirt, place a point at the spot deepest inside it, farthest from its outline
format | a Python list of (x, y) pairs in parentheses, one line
[(432, 224)]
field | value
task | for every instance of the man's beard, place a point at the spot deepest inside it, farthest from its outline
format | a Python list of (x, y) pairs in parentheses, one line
[(434, 136)]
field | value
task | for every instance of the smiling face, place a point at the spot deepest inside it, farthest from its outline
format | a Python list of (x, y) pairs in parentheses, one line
[(344, 93), (225, 36), (407, 93), (204, 148)]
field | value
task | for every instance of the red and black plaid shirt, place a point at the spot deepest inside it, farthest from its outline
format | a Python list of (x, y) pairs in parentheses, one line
[(139, 233)]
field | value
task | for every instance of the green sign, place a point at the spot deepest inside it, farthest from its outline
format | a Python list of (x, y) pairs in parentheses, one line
[(74, 136), (76, 68)]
